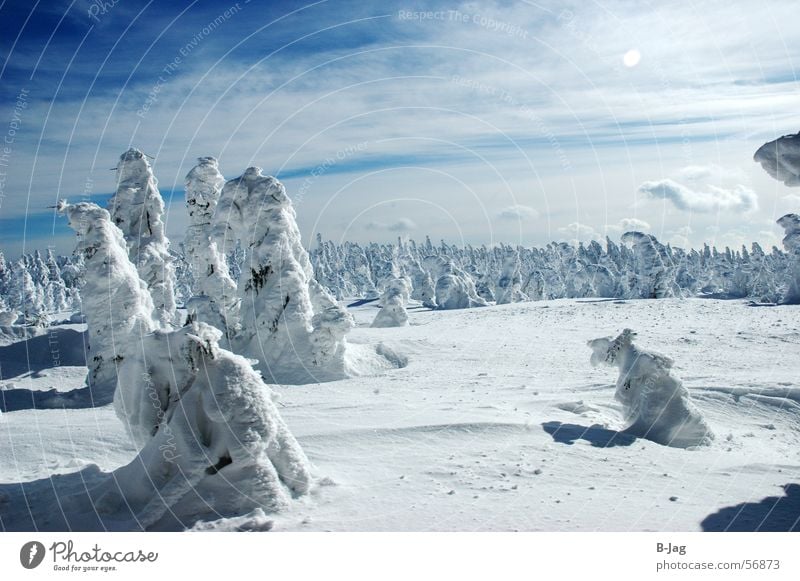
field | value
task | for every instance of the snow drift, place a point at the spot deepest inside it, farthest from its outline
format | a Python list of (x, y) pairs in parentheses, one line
[(656, 405)]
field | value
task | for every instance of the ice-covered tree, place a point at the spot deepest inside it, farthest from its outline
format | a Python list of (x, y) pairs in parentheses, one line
[(24, 295), (116, 303), (137, 209), (652, 275), (781, 159), (222, 449), (393, 305), (289, 323), (509, 285), (656, 404), (56, 289), (214, 298), (791, 242)]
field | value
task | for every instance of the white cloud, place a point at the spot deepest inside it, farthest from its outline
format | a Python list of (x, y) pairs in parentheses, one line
[(580, 232), (401, 225), (629, 224), (518, 212), (738, 199)]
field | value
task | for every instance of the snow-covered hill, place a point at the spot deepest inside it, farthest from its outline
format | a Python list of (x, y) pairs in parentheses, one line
[(494, 419)]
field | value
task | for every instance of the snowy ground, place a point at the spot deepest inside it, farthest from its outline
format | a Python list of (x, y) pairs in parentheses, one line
[(498, 422)]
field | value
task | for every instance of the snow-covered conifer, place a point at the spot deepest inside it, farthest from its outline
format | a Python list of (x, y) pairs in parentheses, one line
[(509, 285), (116, 303), (214, 291), (137, 209), (791, 242), (656, 404), (220, 449), (393, 305), (289, 323)]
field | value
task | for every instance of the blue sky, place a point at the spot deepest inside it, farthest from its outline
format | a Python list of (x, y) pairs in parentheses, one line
[(478, 122)]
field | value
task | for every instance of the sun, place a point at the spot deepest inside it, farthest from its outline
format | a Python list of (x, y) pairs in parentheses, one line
[(631, 58)]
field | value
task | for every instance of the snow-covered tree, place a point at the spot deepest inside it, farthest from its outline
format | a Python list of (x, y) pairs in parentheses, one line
[(56, 292), (653, 274), (214, 291), (656, 404), (289, 323), (221, 450), (116, 303), (781, 159), (791, 242), (137, 209), (509, 285), (393, 305), (454, 288), (24, 295)]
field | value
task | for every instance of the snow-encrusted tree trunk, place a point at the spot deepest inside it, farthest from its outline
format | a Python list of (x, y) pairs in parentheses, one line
[(116, 303), (137, 209), (214, 298), (656, 405), (289, 323), (791, 242)]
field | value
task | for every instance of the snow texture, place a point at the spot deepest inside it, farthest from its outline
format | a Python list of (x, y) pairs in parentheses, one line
[(137, 209), (656, 405)]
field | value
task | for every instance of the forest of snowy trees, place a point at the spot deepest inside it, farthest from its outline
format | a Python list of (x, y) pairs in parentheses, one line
[(35, 288)]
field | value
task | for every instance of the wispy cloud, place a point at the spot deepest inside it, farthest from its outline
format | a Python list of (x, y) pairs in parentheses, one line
[(518, 212)]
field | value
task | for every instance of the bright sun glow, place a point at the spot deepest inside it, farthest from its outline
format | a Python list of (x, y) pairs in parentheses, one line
[(632, 58)]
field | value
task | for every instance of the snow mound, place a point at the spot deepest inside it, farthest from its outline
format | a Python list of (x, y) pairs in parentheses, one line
[(781, 159), (656, 405), (373, 360)]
